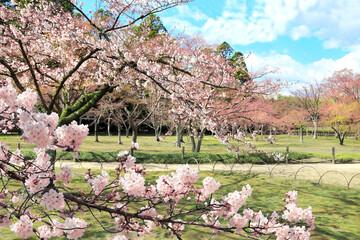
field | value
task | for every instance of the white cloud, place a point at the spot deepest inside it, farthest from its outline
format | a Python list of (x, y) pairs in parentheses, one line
[(335, 22), (193, 13), (180, 25), (293, 71), (299, 32), (331, 43)]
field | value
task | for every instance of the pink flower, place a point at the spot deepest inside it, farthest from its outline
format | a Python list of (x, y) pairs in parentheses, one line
[(100, 182), (53, 200), (44, 232), (16, 157), (210, 186), (133, 184), (5, 220), (135, 146), (66, 174), (238, 221), (120, 237), (27, 99), (23, 228), (70, 137), (130, 162), (77, 227)]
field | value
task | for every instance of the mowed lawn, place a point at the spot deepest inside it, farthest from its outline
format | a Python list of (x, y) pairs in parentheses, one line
[(320, 147), (210, 144), (336, 209)]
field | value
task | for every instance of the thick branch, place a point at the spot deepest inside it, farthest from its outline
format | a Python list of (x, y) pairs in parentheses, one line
[(12, 74), (82, 106), (67, 76), (32, 74)]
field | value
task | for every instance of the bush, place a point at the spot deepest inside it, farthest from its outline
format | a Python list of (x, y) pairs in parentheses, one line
[(174, 158)]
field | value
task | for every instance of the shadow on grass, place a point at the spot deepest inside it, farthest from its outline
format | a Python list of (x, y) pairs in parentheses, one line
[(341, 235)]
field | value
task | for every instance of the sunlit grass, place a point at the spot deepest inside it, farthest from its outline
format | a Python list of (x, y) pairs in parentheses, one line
[(319, 148), (336, 209)]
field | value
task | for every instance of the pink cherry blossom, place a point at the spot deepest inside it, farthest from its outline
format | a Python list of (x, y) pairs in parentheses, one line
[(53, 200), (44, 232), (99, 183), (66, 174), (23, 228), (130, 162), (133, 184), (76, 228)]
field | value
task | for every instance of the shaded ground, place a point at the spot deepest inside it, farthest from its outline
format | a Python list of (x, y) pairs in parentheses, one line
[(333, 174)]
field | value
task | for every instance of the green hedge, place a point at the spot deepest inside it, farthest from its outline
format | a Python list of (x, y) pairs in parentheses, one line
[(193, 158), (173, 158)]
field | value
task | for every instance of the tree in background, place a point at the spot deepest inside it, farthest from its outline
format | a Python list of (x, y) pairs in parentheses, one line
[(342, 102), (236, 59), (309, 97)]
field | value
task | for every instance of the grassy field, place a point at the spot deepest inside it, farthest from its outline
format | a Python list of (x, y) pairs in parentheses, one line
[(319, 148), (336, 209)]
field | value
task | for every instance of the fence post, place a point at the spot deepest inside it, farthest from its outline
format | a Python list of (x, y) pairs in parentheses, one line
[(287, 154), (19, 146), (333, 155), (183, 152)]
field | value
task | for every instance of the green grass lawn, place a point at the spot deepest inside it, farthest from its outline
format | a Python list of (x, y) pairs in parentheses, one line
[(319, 148), (336, 209)]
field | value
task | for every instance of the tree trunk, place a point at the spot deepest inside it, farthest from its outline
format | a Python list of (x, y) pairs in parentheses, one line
[(193, 143), (109, 127), (157, 137), (262, 129), (119, 134), (127, 132), (342, 138), (200, 139), (52, 154), (198, 145), (135, 133), (301, 135), (96, 132), (179, 135), (315, 129)]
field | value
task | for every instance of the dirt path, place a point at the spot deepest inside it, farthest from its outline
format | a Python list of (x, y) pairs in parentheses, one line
[(333, 174)]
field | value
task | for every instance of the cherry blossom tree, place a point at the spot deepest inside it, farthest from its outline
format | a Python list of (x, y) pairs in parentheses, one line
[(43, 199), (309, 97), (81, 59), (341, 108)]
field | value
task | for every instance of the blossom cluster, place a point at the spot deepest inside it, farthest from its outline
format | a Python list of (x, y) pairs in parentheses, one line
[(99, 183), (24, 227), (133, 183), (70, 137), (16, 157), (178, 185), (53, 200), (66, 174)]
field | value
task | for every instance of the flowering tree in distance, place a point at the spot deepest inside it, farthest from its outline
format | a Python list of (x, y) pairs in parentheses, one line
[(310, 99), (341, 107), (81, 61)]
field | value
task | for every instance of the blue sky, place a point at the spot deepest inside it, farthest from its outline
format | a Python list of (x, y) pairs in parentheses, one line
[(306, 40)]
